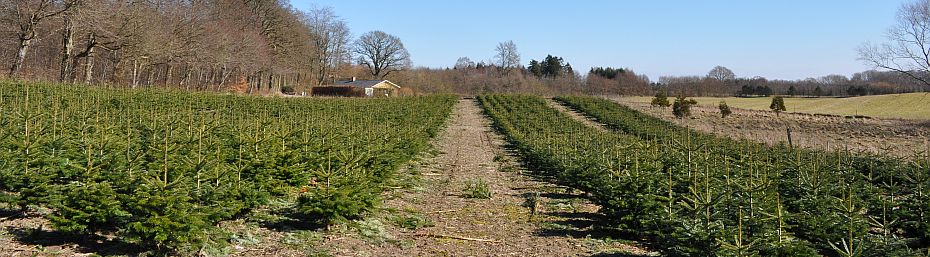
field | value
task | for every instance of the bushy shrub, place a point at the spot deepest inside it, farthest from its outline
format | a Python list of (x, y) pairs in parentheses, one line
[(164, 217), (288, 90), (340, 203), (682, 107), (661, 99), (724, 109), (778, 105), (87, 207)]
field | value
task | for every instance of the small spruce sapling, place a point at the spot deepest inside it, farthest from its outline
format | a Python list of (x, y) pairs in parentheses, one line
[(661, 99), (682, 107), (778, 105), (724, 109)]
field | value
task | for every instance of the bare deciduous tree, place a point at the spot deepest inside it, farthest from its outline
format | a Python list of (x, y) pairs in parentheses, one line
[(218, 44), (721, 73), (25, 16), (464, 63), (381, 53), (330, 36), (507, 56), (833, 79), (908, 51)]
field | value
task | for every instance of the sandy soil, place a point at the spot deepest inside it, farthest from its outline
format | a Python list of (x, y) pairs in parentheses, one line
[(895, 137)]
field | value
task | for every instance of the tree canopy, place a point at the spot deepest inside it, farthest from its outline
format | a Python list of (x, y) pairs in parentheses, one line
[(381, 53), (550, 67)]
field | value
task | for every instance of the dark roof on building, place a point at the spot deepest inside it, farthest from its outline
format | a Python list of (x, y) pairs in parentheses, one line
[(359, 83)]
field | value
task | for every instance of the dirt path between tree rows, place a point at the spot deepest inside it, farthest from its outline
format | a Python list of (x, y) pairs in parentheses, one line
[(504, 225), (576, 115)]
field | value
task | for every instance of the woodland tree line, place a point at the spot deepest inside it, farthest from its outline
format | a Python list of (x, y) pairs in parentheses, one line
[(265, 46), (245, 45), (554, 76), (863, 83)]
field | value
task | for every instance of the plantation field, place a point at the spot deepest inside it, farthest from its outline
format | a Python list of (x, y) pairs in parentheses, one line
[(899, 106), (159, 170), (694, 194)]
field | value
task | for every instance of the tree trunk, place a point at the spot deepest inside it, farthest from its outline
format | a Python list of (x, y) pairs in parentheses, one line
[(67, 47), (151, 78), (322, 73), (24, 44), (297, 82), (119, 67), (224, 75), (135, 73), (167, 75), (185, 83), (103, 73), (89, 67), (200, 84), (270, 81), (89, 64), (257, 83)]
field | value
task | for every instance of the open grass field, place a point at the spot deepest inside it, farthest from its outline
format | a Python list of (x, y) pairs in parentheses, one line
[(901, 106)]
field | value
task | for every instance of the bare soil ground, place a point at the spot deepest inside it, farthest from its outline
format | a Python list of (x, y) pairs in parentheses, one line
[(896, 137), (15, 241), (29, 234)]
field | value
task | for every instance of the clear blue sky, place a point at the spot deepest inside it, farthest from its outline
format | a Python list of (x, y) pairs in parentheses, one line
[(787, 39)]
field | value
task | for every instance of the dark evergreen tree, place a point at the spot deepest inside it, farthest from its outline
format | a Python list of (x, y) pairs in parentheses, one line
[(661, 99), (857, 90), (552, 66), (747, 90), (778, 104), (724, 109), (535, 68), (763, 91), (608, 72), (682, 107)]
